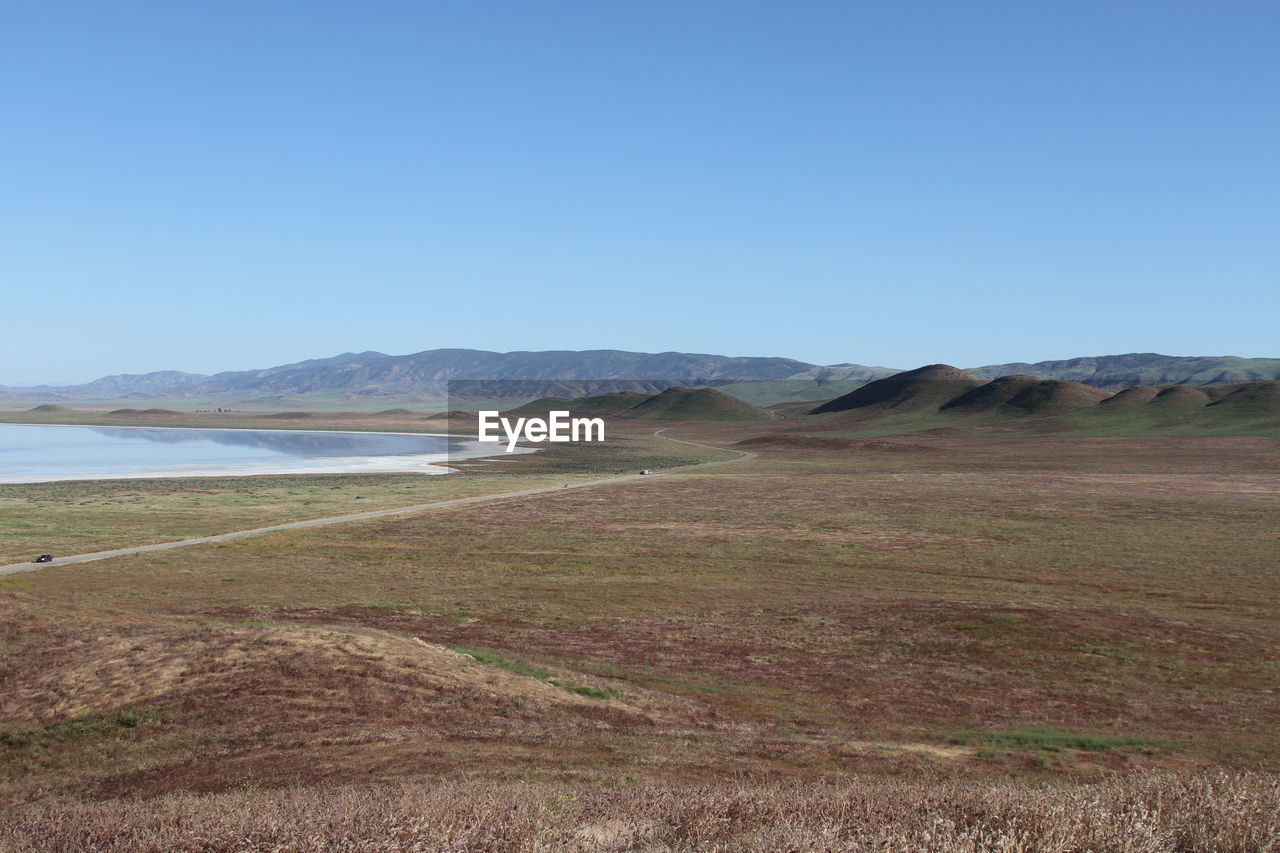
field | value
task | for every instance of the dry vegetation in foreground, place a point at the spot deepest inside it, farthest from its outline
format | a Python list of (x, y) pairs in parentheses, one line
[(967, 635), (1202, 813)]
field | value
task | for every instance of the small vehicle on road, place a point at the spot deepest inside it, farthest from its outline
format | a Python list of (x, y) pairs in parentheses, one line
[(44, 558), (645, 472)]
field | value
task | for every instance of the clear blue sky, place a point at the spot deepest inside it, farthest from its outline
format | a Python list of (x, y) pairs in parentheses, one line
[(225, 185)]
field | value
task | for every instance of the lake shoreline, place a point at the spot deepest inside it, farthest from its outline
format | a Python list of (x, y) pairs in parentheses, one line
[(274, 453)]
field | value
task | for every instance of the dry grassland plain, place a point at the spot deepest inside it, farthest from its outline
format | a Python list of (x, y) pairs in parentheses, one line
[(813, 649)]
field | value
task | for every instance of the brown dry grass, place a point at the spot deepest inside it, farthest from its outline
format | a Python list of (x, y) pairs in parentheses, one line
[(1204, 813), (103, 703), (807, 615)]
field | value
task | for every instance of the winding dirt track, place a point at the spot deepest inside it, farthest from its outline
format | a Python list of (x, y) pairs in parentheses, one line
[(379, 513)]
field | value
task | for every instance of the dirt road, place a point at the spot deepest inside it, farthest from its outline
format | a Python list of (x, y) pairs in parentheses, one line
[(380, 513)]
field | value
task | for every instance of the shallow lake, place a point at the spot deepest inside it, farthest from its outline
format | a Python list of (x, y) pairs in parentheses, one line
[(35, 453)]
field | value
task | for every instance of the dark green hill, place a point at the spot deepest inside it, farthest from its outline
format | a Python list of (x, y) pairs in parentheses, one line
[(992, 395), (925, 388), (697, 404), (1180, 397), (793, 391), (914, 402), (1251, 408), (674, 404), (1138, 395), (598, 404), (1056, 396), (1026, 395), (1251, 397)]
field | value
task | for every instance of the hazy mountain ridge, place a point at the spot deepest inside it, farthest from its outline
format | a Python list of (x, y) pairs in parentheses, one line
[(377, 374), (1143, 368), (381, 374)]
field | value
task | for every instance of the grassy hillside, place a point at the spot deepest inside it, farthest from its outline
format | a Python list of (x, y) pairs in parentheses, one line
[(673, 404), (789, 390), (598, 404), (697, 404), (923, 389), (941, 397)]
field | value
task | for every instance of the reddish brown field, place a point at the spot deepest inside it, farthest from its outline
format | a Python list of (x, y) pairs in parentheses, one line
[(932, 607)]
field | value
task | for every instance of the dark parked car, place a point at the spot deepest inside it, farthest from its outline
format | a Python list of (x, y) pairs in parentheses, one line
[(44, 558)]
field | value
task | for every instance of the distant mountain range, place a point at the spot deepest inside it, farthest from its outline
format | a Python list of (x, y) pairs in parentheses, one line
[(566, 373), (376, 374), (1143, 368)]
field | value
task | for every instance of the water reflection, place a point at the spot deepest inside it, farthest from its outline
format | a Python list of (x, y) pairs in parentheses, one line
[(40, 453), (293, 443)]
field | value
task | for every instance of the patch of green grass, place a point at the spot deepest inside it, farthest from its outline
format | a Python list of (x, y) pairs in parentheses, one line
[(793, 733), (80, 727), (1056, 740), (520, 667), (510, 664)]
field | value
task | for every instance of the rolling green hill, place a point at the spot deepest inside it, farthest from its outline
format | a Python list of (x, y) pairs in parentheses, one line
[(697, 404), (674, 404), (598, 404), (942, 396), (925, 388), (772, 392)]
